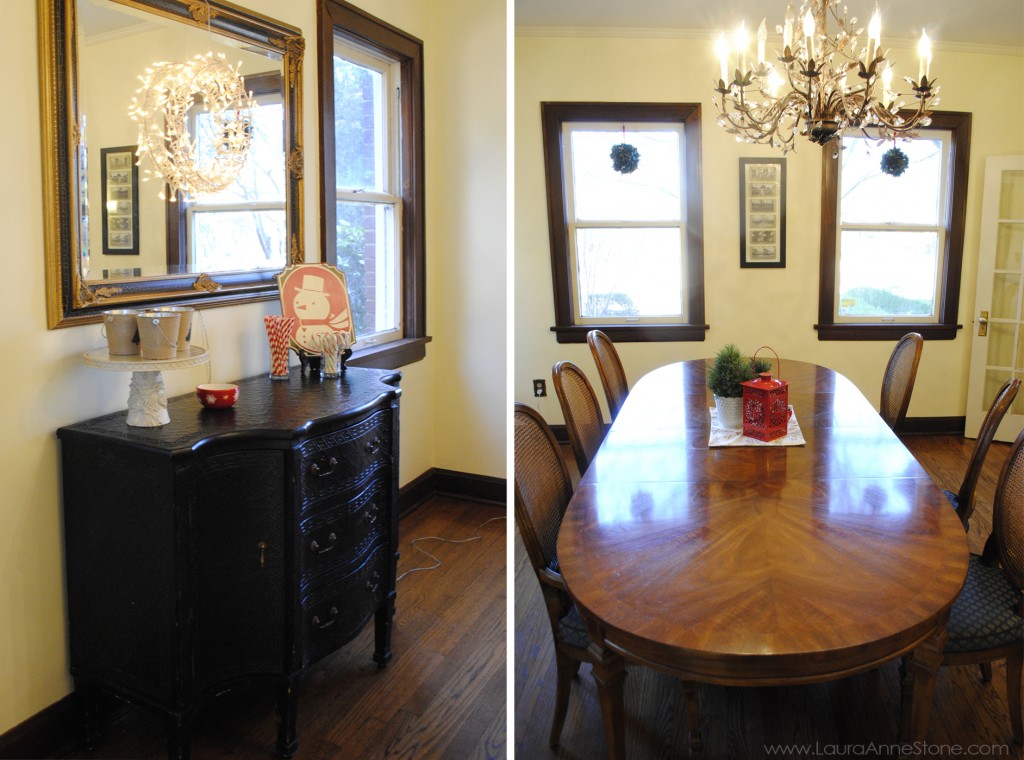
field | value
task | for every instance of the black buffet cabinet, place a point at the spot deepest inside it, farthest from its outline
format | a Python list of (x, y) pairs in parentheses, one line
[(230, 545)]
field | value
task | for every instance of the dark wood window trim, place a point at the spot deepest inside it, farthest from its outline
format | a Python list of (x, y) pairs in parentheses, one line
[(554, 115), (946, 328), (335, 17)]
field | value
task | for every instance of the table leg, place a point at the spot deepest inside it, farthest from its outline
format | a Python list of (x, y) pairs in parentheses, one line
[(609, 671), (693, 714), (147, 400), (919, 669)]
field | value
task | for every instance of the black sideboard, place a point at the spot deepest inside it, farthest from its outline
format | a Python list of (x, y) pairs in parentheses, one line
[(230, 545)]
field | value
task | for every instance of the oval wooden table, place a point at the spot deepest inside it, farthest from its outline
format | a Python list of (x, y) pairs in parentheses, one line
[(759, 566)]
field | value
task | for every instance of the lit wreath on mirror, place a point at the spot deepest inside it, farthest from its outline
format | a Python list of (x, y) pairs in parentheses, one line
[(161, 108)]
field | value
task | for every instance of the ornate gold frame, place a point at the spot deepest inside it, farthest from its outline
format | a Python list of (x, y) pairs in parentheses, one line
[(70, 299)]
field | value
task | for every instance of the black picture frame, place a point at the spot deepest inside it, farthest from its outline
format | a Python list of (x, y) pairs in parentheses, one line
[(119, 184), (763, 213)]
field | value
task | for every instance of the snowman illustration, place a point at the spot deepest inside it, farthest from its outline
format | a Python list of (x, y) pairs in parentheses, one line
[(320, 305)]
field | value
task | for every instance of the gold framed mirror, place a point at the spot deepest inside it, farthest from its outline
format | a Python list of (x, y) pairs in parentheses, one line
[(111, 241)]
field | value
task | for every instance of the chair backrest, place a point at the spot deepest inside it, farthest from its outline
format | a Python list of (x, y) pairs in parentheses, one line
[(1008, 516), (542, 486), (609, 367), (898, 381), (583, 420), (1002, 401)]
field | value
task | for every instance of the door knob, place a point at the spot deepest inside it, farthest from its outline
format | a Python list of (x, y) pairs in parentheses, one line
[(983, 324)]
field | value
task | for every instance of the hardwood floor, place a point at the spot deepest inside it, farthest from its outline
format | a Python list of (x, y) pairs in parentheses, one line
[(743, 723), (443, 695)]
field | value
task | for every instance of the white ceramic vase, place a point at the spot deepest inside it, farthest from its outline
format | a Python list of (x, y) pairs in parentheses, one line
[(730, 412)]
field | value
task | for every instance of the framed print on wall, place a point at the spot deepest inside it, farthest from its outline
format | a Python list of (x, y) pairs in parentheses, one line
[(119, 184), (763, 212)]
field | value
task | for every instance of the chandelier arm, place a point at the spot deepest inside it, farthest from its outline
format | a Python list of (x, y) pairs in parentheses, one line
[(908, 125), (865, 103), (768, 123), (807, 96)]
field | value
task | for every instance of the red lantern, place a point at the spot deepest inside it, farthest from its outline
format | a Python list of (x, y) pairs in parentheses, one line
[(765, 405)]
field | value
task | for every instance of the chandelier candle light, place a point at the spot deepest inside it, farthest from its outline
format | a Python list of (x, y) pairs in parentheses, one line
[(822, 85), (161, 107)]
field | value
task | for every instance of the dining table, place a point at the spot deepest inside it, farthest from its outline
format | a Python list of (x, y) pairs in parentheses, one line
[(759, 565)]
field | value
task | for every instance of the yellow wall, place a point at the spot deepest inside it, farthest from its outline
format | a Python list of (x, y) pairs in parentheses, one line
[(749, 307), (453, 414)]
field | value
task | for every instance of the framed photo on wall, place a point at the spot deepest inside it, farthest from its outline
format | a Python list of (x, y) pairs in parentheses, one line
[(120, 187), (763, 212)]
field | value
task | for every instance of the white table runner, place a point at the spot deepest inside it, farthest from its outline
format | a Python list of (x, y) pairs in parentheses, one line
[(721, 436)]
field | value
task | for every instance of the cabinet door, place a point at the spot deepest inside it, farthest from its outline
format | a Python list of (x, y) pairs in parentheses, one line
[(119, 542), (238, 584)]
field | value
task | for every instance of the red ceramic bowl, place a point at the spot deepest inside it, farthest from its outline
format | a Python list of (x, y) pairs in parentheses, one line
[(217, 395)]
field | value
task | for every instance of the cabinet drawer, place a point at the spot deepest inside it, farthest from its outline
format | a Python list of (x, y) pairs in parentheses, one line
[(334, 614), (331, 538), (343, 461)]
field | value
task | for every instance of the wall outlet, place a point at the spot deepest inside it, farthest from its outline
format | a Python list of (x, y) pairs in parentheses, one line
[(540, 388)]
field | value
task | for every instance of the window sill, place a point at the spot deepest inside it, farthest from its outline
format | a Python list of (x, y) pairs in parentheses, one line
[(885, 332), (632, 333), (391, 355)]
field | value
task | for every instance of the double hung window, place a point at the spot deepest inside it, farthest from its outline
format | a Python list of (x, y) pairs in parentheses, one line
[(372, 205), (243, 226), (627, 248), (892, 245), (368, 210)]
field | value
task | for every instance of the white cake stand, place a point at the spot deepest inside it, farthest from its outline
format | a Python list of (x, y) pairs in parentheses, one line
[(147, 397)]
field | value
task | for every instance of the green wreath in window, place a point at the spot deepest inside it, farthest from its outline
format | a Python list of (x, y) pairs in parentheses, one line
[(895, 162), (625, 158)]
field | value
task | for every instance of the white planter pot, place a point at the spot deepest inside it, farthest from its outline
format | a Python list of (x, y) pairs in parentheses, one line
[(730, 412)]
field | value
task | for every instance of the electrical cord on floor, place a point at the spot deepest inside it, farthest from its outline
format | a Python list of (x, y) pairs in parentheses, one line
[(437, 563)]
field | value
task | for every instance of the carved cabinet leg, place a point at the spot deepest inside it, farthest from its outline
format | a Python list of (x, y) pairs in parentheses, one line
[(89, 714), (382, 632), (287, 711), (179, 737)]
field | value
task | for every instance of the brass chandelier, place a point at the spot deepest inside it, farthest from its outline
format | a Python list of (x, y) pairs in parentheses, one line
[(822, 84)]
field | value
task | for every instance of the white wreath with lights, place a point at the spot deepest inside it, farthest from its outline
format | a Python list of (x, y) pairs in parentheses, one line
[(161, 108)]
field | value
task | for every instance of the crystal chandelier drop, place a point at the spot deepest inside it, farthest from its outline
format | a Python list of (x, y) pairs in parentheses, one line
[(822, 84), (162, 108)]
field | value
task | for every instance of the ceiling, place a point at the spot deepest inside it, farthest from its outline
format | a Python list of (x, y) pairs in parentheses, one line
[(954, 22)]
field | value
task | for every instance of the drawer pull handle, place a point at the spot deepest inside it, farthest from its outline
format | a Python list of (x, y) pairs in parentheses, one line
[(372, 587), (370, 515), (331, 541), (263, 559), (334, 616), (373, 446), (331, 464)]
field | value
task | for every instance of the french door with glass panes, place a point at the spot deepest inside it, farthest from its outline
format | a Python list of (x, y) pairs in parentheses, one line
[(997, 351)]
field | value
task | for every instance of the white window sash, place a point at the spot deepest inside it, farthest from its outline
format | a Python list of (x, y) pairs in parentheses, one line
[(388, 275), (573, 223), (946, 138)]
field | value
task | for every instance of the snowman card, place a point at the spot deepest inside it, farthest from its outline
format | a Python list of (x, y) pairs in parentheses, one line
[(317, 296)]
